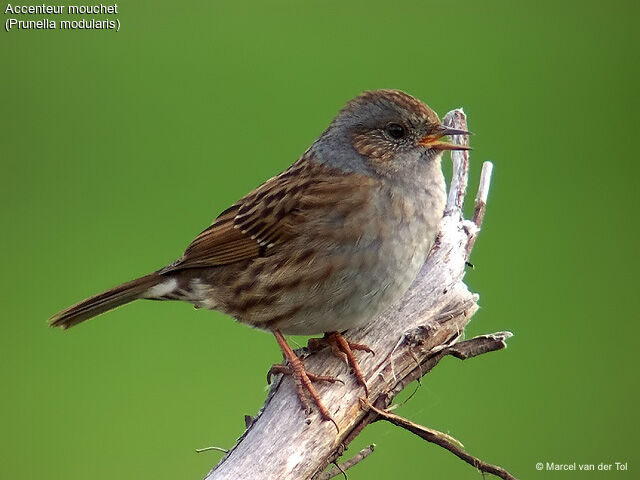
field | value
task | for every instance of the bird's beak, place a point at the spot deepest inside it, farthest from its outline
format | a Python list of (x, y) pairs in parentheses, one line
[(433, 139)]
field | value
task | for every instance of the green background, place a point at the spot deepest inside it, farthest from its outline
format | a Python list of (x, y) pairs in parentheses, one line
[(118, 148)]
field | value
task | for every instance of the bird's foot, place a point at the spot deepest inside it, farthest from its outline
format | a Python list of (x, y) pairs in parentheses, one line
[(343, 349), (302, 378)]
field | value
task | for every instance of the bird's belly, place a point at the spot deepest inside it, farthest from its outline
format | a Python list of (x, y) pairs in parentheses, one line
[(363, 283), (362, 296), (360, 302)]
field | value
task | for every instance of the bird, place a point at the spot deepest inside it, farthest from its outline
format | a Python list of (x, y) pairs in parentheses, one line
[(325, 246)]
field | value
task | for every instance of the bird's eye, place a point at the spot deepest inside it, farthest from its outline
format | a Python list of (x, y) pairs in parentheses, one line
[(395, 130)]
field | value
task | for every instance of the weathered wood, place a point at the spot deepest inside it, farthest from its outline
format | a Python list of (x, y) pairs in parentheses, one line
[(283, 443)]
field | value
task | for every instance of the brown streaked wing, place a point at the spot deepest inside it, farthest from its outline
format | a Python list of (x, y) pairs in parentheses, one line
[(266, 217), (219, 244)]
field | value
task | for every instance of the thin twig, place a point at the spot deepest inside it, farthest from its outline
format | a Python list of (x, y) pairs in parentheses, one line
[(479, 345), (340, 469), (483, 193), (206, 449), (480, 204), (445, 441)]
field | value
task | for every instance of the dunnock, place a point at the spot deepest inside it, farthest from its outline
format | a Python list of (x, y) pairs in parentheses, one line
[(325, 246)]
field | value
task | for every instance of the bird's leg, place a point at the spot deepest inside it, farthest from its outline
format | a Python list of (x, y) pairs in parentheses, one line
[(301, 377), (344, 349)]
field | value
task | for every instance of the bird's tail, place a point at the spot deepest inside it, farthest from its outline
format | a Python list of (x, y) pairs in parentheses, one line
[(105, 301)]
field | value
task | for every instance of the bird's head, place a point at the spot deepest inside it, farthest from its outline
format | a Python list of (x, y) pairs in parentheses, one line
[(390, 131)]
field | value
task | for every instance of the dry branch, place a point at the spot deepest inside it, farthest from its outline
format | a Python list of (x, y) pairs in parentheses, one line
[(281, 443), (442, 439)]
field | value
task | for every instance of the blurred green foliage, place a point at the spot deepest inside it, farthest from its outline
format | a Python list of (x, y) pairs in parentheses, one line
[(117, 148)]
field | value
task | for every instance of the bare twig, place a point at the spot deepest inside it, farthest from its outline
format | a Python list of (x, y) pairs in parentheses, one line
[(445, 441), (409, 340), (483, 193), (343, 467), (479, 345), (208, 449), (481, 203)]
